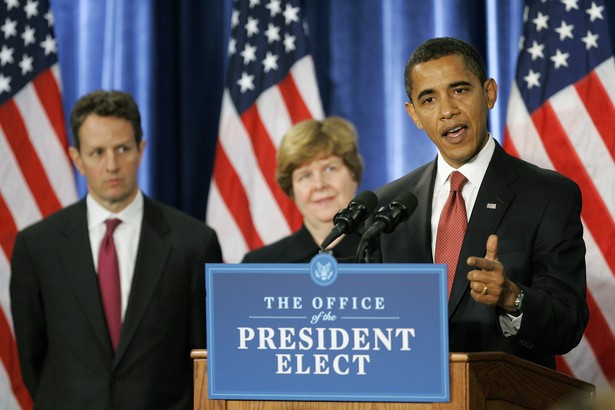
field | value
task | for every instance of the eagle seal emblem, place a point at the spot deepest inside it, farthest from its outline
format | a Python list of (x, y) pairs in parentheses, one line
[(323, 269)]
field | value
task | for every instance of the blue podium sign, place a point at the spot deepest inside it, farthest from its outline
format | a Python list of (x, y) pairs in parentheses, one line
[(327, 332)]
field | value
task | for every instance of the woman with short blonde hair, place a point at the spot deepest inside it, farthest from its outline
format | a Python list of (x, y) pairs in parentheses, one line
[(320, 168)]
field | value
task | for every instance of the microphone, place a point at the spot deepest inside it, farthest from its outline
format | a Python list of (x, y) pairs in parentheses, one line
[(347, 220), (387, 218)]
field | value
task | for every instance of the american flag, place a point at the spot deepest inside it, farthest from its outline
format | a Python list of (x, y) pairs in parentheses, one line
[(559, 117), (271, 85), (36, 177)]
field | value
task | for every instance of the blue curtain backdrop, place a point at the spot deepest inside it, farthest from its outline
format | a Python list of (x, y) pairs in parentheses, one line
[(171, 56)]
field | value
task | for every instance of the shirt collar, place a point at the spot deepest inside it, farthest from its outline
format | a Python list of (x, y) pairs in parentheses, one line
[(97, 214), (474, 170)]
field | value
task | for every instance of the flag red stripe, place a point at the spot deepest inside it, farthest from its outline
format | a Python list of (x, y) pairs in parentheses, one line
[(235, 197), (51, 100), (8, 229), (600, 108), (10, 361), (294, 100), (600, 338), (31, 167), (562, 366), (565, 160), (265, 153)]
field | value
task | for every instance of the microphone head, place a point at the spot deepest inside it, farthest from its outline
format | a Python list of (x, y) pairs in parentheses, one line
[(407, 200), (366, 198), (399, 210), (358, 209)]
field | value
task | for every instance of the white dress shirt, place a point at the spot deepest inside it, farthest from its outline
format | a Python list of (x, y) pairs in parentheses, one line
[(126, 238)]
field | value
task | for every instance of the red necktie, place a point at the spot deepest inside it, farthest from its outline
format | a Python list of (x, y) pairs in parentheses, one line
[(452, 227), (109, 282)]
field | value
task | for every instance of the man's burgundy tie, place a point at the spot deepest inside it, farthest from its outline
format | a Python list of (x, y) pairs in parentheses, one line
[(452, 227), (109, 282)]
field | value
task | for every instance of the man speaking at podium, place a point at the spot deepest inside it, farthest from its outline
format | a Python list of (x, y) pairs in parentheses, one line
[(510, 232)]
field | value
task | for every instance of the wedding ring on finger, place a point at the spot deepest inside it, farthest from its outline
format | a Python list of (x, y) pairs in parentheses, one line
[(485, 291)]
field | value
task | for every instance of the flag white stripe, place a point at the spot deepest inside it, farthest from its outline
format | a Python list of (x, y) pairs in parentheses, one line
[(237, 145), (274, 114), (600, 280), (220, 219), (14, 189), (523, 133), (5, 297), (47, 144), (303, 73), (587, 143), (55, 70), (584, 365), (606, 73)]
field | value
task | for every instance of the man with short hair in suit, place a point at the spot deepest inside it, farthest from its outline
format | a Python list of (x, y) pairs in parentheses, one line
[(77, 352), (518, 274)]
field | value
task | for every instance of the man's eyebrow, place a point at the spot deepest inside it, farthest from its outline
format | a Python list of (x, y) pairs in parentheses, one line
[(451, 85), (459, 84), (424, 92)]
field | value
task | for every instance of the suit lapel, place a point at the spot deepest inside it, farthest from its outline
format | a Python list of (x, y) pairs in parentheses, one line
[(491, 203), (150, 264), (78, 266)]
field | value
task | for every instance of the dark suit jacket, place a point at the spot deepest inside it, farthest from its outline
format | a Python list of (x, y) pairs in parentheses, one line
[(301, 248), (64, 347), (536, 215)]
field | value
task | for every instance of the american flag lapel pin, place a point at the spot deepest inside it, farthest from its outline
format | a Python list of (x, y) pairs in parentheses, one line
[(491, 205)]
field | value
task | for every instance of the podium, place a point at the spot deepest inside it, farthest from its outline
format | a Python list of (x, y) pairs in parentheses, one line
[(479, 381)]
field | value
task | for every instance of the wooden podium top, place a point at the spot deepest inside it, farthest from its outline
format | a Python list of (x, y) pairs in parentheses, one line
[(485, 380)]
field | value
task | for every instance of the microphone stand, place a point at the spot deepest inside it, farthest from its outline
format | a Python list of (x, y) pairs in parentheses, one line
[(366, 250), (386, 220)]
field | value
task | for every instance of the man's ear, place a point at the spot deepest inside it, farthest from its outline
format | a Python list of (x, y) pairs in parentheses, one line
[(75, 156), (412, 113), (491, 91)]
